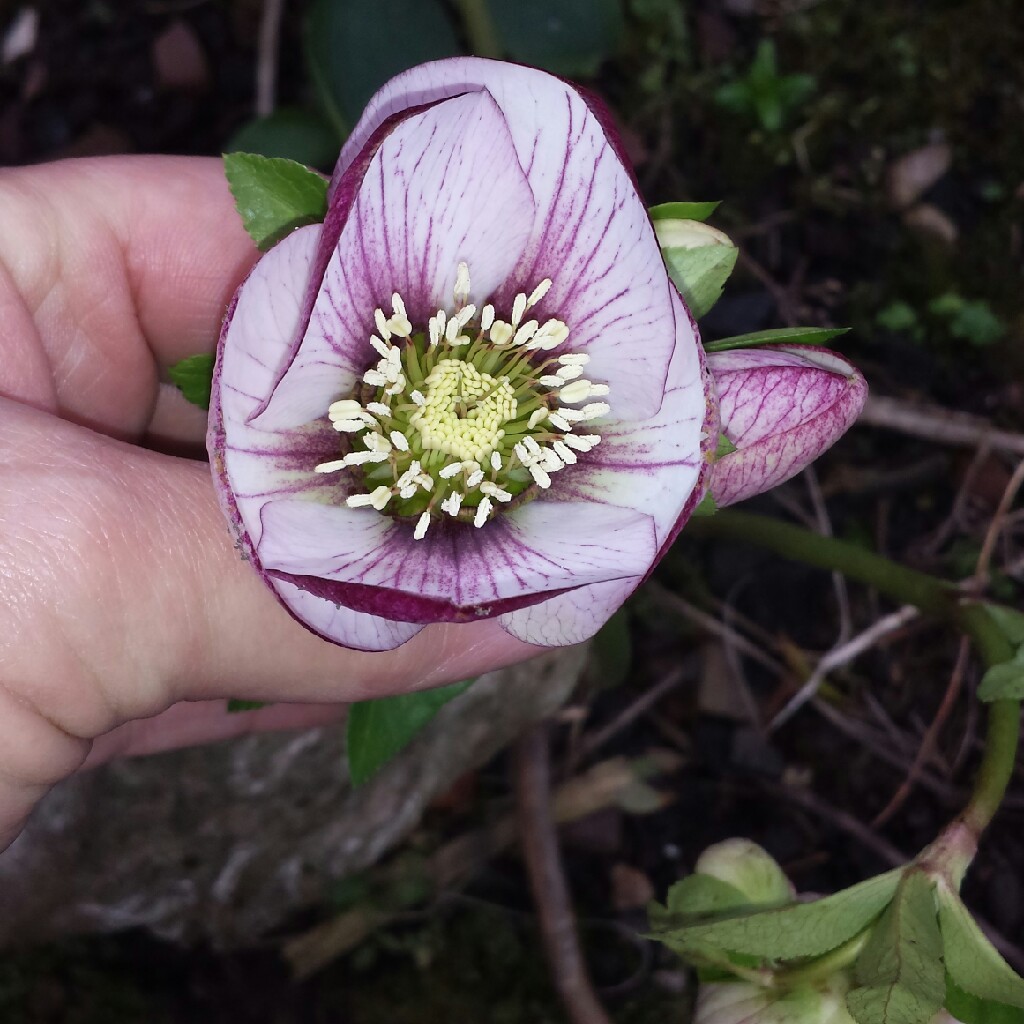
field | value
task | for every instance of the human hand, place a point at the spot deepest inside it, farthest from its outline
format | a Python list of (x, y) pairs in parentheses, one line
[(126, 616)]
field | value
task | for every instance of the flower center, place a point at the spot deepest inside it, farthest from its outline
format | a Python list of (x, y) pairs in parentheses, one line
[(467, 416)]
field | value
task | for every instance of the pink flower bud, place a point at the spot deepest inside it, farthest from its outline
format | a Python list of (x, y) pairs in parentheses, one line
[(781, 407)]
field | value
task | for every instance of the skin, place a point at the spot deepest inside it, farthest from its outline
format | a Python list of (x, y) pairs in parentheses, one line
[(127, 617)]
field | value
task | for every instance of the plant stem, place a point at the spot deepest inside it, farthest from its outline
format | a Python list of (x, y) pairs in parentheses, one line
[(997, 764), (928, 593), (908, 586), (480, 30)]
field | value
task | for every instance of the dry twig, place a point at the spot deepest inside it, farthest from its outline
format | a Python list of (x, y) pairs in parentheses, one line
[(266, 61), (647, 700), (547, 880), (843, 655), (928, 741), (933, 423)]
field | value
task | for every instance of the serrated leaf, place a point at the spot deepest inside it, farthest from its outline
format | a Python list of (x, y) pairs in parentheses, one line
[(236, 706), (973, 963), (899, 974), (274, 196), (684, 211), (777, 336), (700, 273), (969, 1009), (380, 729), (354, 46), (1005, 681), (193, 377), (791, 932), (566, 37)]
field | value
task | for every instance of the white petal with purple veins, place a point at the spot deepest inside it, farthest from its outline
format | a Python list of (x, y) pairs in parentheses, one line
[(781, 407), (652, 465), (537, 549), (592, 236)]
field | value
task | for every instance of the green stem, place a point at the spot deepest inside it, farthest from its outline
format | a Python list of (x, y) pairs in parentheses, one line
[(997, 765), (480, 30), (928, 593), (931, 595)]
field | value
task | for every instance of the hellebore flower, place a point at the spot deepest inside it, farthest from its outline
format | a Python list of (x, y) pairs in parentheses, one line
[(781, 407), (473, 392)]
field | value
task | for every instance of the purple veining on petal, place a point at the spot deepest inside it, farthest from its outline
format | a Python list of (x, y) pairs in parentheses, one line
[(569, 618), (781, 407), (250, 465), (400, 606), (518, 174), (337, 623), (343, 192), (457, 572), (652, 465), (660, 465), (443, 187), (592, 235)]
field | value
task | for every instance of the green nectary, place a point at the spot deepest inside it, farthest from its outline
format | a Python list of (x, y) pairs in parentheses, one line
[(473, 414)]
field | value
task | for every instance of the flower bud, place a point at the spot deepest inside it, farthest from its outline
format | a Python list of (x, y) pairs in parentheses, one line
[(689, 234), (749, 868), (699, 259), (781, 407), (742, 1002)]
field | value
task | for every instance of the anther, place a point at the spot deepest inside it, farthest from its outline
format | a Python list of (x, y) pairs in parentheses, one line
[(539, 292), (483, 510)]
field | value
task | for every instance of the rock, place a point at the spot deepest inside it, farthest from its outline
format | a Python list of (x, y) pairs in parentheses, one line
[(221, 844)]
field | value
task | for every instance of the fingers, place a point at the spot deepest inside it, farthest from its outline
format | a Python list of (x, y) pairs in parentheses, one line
[(111, 270), (190, 723), (119, 566)]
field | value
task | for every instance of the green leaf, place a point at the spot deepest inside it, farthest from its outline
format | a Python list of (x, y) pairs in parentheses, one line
[(791, 932), (973, 963), (1005, 681), (274, 196), (235, 706), (379, 729), (566, 37), (725, 447), (707, 507), (289, 132), (193, 377), (1008, 621), (700, 895), (683, 211), (700, 273), (354, 46), (899, 974), (777, 336), (971, 1010)]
